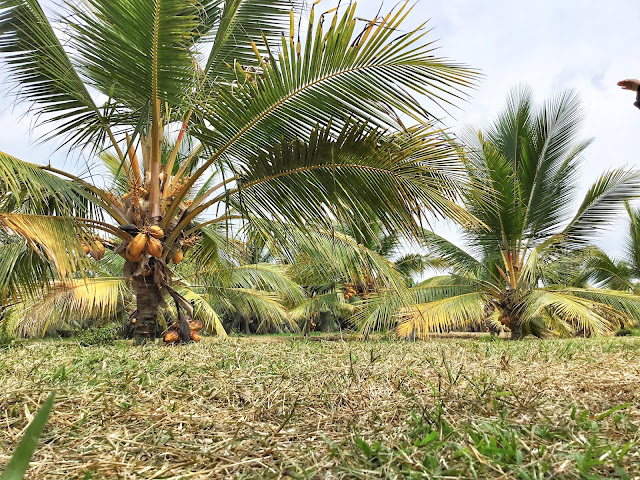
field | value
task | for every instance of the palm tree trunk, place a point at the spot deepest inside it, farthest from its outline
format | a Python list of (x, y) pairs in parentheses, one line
[(148, 299), (516, 328)]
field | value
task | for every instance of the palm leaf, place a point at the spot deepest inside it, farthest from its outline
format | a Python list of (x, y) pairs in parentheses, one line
[(60, 238), (240, 23), (47, 77), (333, 78)]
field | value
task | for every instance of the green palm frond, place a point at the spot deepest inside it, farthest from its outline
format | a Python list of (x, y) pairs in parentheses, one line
[(605, 197), (27, 188), (240, 23), (137, 50), (267, 277), (452, 255), (47, 77), (587, 315), (328, 257), (632, 246), (333, 80), (24, 271), (360, 173), (332, 303)]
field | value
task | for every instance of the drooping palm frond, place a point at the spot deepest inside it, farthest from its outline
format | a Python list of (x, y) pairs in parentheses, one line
[(60, 238), (359, 174), (24, 271), (605, 198), (27, 188), (328, 257), (81, 301), (387, 310), (588, 315), (332, 303), (442, 315)]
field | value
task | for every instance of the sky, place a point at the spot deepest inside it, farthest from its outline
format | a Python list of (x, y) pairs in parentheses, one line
[(550, 45)]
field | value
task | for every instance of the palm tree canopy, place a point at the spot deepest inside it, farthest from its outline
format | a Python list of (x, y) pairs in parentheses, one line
[(528, 160)]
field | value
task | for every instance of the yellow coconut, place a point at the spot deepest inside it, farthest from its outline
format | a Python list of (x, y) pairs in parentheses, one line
[(195, 325), (172, 336), (177, 257), (136, 246), (154, 247), (156, 232), (195, 336), (98, 251), (131, 257), (85, 247)]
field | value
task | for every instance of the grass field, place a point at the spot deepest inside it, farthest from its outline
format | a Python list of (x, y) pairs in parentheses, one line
[(294, 409)]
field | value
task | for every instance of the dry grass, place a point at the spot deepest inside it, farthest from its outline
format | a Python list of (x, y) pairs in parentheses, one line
[(438, 409)]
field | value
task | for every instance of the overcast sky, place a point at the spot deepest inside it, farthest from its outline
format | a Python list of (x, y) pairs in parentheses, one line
[(551, 45)]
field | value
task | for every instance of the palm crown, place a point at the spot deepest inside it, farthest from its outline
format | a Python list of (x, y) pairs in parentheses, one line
[(514, 270), (209, 117)]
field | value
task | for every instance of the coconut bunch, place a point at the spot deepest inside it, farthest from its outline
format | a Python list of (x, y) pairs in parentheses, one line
[(172, 337), (349, 291), (96, 250)]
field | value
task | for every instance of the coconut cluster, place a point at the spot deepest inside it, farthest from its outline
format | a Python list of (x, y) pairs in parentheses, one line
[(172, 337)]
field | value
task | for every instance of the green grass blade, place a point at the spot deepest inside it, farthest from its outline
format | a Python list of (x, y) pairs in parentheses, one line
[(20, 459)]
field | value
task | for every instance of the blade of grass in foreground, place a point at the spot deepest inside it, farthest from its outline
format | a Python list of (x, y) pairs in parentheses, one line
[(20, 459)]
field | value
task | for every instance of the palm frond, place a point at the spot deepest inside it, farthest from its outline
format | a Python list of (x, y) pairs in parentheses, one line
[(240, 23), (359, 174), (137, 51), (27, 188), (60, 238), (79, 301), (605, 197), (336, 78), (383, 311), (442, 315), (587, 315), (23, 270), (39, 64)]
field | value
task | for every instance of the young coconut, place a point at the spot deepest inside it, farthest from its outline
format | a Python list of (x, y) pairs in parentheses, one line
[(195, 336), (172, 336), (137, 245), (156, 232), (195, 325), (177, 257), (154, 247), (85, 248)]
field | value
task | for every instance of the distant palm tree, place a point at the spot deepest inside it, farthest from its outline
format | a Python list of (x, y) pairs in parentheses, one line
[(515, 271), (211, 113)]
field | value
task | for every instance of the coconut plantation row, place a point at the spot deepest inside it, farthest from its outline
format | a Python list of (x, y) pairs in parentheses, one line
[(252, 281)]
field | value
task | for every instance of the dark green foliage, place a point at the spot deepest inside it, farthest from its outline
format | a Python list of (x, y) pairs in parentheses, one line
[(100, 336)]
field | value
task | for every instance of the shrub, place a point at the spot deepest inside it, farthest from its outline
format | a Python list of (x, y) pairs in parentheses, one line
[(100, 336)]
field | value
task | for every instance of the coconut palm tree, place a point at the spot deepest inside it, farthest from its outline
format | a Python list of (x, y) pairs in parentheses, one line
[(516, 270), (212, 113)]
